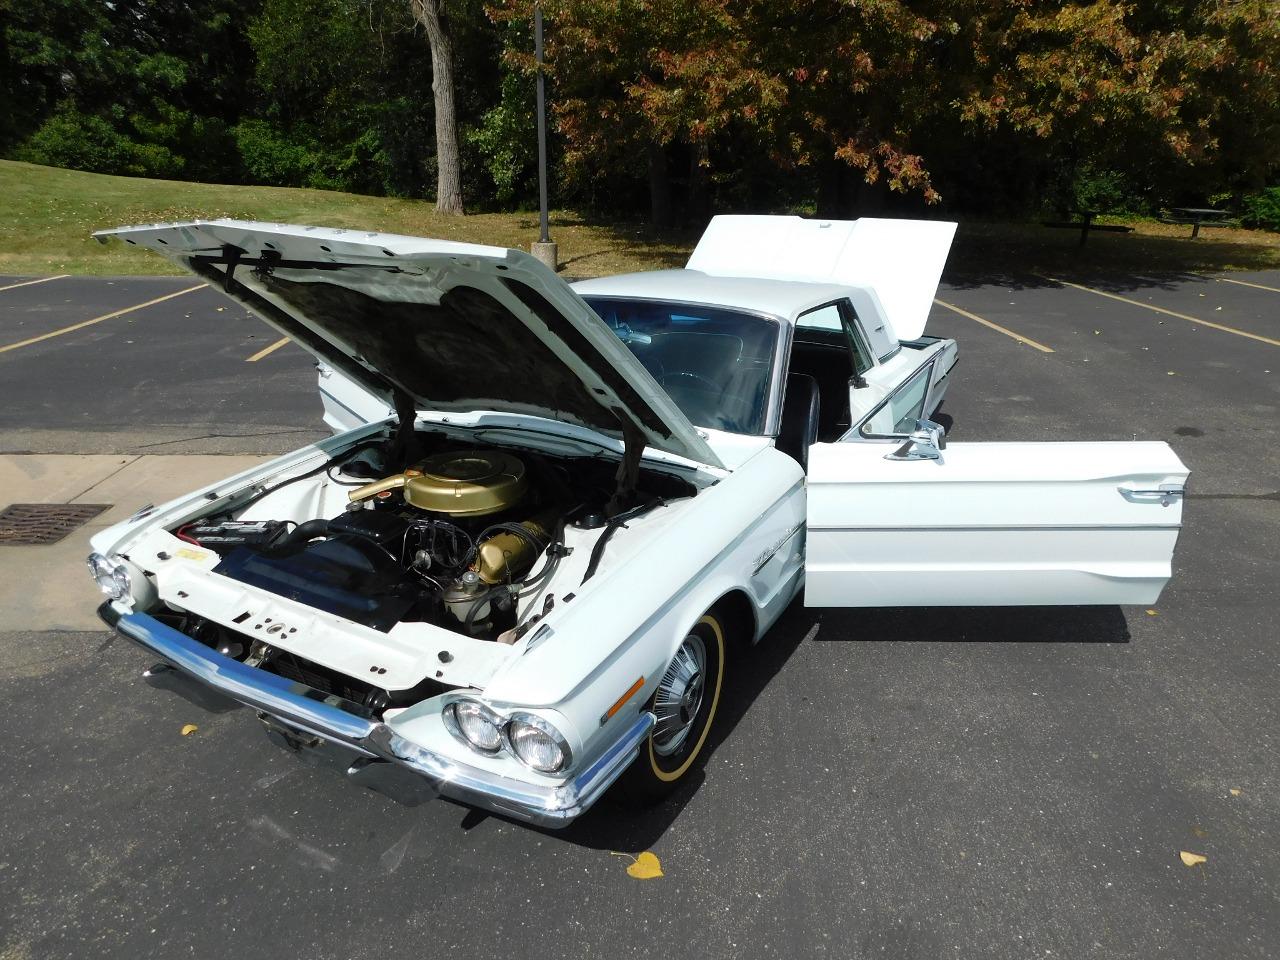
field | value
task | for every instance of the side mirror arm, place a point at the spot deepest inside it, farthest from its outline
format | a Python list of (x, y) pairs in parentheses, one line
[(926, 442)]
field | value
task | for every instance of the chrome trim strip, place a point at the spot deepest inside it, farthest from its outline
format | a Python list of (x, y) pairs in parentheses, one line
[(772, 552), (1027, 527), (550, 805)]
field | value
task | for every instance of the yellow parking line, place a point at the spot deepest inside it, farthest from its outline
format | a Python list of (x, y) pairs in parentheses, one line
[(995, 326), (1170, 313), (266, 350), (1246, 283), (106, 316), (27, 283)]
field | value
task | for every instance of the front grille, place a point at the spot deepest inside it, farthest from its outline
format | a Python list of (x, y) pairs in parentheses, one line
[(313, 675)]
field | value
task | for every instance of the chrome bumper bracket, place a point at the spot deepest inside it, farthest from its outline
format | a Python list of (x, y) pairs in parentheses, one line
[(306, 721)]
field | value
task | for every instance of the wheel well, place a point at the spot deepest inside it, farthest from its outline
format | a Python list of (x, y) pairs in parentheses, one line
[(740, 613)]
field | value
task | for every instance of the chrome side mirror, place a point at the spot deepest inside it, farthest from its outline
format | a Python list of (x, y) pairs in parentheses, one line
[(926, 442)]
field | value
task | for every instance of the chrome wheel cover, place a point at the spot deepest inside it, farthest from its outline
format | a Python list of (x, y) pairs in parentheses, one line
[(679, 696)]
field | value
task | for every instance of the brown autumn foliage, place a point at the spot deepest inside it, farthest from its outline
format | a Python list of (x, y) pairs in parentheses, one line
[(889, 89)]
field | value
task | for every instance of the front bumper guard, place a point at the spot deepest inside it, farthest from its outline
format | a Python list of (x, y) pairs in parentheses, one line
[(305, 711)]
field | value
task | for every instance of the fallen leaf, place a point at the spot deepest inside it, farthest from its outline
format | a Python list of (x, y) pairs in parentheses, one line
[(188, 729), (1152, 613), (1235, 791), (645, 866), (1191, 859)]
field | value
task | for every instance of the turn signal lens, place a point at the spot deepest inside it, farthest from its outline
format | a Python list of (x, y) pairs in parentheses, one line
[(476, 727), (537, 744)]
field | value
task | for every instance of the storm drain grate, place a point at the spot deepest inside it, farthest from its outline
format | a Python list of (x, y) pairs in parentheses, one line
[(38, 523)]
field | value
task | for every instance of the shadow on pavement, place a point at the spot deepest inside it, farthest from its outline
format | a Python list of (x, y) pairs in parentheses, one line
[(1021, 256), (977, 625), (614, 824)]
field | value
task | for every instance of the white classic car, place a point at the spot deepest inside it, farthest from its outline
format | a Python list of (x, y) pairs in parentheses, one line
[(553, 512)]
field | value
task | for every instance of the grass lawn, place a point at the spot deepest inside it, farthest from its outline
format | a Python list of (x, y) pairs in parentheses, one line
[(47, 214)]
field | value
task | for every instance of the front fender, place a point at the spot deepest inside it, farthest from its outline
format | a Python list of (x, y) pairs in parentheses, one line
[(738, 535)]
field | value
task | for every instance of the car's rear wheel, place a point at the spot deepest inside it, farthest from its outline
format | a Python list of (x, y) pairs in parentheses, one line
[(685, 704)]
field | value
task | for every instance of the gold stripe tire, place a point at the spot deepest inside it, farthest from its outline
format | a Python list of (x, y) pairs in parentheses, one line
[(667, 757)]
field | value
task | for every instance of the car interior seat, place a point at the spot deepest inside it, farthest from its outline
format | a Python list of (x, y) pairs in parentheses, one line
[(799, 427)]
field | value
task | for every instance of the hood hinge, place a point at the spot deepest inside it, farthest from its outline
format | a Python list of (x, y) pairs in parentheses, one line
[(400, 454), (627, 478)]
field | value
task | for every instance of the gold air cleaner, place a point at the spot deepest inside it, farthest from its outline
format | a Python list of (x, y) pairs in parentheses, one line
[(461, 483)]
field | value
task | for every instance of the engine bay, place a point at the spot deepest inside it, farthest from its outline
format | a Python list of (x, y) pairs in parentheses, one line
[(459, 536)]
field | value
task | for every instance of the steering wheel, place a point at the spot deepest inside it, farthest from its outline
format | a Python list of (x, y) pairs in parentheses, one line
[(700, 380)]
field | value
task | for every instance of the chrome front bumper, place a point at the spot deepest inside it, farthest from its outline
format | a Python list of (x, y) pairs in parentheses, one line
[(379, 758)]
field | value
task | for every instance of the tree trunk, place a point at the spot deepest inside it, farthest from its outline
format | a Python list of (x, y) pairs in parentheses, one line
[(834, 200), (448, 159), (698, 209), (659, 188)]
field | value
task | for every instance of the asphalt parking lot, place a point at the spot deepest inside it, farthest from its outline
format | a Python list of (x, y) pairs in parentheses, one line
[(884, 783)]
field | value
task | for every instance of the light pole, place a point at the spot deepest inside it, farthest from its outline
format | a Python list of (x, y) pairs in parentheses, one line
[(544, 249)]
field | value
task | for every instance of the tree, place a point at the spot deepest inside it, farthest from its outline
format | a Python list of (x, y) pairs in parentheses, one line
[(887, 95), (339, 88), (643, 84), (432, 17), (136, 86)]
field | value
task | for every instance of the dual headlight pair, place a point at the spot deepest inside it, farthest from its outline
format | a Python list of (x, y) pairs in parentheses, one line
[(528, 738), (111, 576)]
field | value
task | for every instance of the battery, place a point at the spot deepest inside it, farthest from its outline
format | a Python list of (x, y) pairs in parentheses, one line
[(226, 535)]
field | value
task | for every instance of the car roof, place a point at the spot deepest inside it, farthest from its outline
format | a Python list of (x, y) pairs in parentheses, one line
[(780, 298)]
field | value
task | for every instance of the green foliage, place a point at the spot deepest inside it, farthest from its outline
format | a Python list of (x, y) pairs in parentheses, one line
[(343, 97), (1262, 209), (505, 141), (141, 87), (86, 142), (271, 158), (667, 105), (1089, 186)]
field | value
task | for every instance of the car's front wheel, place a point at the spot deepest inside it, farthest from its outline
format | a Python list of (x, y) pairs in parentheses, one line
[(684, 706)]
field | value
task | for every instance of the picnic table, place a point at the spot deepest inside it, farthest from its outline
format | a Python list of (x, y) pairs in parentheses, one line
[(1085, 224), (1198, 217)]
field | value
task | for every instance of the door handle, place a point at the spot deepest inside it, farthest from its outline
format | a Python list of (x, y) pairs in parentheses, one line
[(1164, 494)]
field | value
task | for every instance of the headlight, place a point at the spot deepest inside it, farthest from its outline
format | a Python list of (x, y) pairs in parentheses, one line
[(473, 724), (537, 744), (112, 578), (527, 737)]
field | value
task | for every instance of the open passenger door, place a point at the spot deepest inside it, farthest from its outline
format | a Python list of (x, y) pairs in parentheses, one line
[(991, 524)]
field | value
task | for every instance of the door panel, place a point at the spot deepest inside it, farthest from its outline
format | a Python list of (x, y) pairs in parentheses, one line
[(991, 524)]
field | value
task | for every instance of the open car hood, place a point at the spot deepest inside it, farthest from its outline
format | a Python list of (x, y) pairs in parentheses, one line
[(901, 260), (448, 326)]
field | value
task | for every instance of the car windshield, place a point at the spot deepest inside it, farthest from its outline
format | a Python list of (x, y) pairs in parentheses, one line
[(714, 363)]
